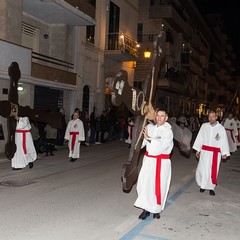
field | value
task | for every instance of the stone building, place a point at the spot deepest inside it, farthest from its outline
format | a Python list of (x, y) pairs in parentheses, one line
[(66, 51)]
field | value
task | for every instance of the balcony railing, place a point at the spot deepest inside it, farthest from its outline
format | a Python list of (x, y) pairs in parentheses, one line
[(40, 58), (122, 42), (52, 69)]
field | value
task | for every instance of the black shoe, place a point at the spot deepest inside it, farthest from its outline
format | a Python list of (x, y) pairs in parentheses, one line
[(73, 159), (144, 215), (156, 215), (51, 154), (46, 154), (202, 190), (211, 192), (30, 165), (16, 168)]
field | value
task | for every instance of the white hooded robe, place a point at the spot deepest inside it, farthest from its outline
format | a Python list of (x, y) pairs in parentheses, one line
[(21, 159), (211, 136), (161, 143), (74, 128)]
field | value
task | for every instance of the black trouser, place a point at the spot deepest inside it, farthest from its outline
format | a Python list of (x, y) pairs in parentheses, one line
[(50, 145)]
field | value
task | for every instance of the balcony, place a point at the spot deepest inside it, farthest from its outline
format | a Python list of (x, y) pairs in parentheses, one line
[(52, 69), (120, 47), (36, 67), (172, 15), (71, 12), (171, 81), (187, 60)]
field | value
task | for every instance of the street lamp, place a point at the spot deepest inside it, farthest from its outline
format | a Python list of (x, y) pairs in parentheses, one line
[(147, 54)]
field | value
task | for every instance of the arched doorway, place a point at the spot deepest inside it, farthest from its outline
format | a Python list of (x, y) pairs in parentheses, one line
[(85, 99)]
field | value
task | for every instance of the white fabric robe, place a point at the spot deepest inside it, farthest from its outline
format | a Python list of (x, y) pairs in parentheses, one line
[(75, 126), (238, 137), (213, 136), (231, 124), (161, 143), (20, 159)]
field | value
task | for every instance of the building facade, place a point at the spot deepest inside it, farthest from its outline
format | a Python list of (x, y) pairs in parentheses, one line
[(189, 81), (66, 51)]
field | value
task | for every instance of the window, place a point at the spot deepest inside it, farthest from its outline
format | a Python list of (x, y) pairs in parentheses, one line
[(113, 28), (90, 34), (138, 85)]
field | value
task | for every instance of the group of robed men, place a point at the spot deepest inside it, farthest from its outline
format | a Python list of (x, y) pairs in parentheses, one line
[(26, 153), (211, 145)]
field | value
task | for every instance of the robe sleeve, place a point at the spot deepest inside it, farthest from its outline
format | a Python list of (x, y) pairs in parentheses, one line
[(81, 135), (165, 141), (67, 131), (23, 123), (199, 140), (224, 146)]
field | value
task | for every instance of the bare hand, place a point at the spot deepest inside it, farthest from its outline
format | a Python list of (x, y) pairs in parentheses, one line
[(224, 157), (197, 154)]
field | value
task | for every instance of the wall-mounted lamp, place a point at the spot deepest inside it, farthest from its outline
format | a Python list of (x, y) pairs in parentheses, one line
[(20, 88), (147, 54)]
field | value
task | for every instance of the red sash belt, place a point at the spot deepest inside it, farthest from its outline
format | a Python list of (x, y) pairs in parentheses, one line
[(131, 130), (74, 135), (215, 151), (231, 131), (24, 145), (238, 134), (158, 174)]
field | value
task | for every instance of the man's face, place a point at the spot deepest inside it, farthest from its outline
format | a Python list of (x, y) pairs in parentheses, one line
[(212, 117), (161, 117), (75, 116), (230, 116)]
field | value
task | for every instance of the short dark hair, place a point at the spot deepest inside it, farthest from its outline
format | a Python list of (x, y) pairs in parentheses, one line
[(212, 111), (162, 110)]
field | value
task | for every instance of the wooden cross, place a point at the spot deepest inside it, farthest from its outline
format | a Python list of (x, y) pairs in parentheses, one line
[(140, 104), (10, 109)]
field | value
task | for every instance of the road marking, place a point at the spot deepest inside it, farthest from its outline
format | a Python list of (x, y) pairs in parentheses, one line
[(136, 231)]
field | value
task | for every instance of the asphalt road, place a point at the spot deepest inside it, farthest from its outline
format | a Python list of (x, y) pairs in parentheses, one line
[(61, 200)]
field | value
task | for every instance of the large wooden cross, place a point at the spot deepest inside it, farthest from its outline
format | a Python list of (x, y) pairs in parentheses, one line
[(10, 109), (140, 104)]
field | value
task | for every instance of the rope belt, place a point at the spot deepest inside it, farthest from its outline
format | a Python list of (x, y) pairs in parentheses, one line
[(74, 136), (215, 151), (24, 145), (158, 174)]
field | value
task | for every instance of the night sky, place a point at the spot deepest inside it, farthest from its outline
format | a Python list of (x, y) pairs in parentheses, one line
[(230, 11)]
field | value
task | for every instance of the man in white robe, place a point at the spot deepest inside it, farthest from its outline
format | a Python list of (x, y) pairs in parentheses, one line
[(155, 174), (25, 153), (74, 135), (211, 145), (231, 129), (236, 118)]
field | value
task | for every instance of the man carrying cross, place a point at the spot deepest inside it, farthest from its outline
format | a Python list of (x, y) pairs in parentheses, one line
[(25, 152), (155, 175)]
